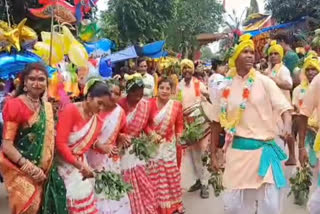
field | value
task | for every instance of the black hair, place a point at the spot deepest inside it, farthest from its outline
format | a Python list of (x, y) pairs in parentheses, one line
[(99, 89), (166, 79), (215, 63), (26, 72), (135, 88), (140, 60)]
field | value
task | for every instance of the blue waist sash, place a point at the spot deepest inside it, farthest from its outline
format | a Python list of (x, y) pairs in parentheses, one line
[(272, 155)]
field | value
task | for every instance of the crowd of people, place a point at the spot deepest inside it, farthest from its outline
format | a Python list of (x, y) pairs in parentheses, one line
[(48, 165)]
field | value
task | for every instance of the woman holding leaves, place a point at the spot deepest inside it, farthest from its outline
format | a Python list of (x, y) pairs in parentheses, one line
[(166, 119), (134, 170), (77, 130), (103, 156)]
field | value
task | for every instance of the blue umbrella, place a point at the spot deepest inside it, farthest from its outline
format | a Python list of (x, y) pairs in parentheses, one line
[(12, 64)]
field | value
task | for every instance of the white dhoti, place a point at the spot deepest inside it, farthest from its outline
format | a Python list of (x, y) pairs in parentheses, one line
[(245, 201), (314, 202)]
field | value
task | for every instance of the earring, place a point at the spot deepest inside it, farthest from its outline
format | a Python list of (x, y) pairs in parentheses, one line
[(25, 89)]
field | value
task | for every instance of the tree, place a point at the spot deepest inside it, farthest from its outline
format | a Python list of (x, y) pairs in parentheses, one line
[(206, 53), (192, 18), (254, 8), (289, 10), (137, 21)]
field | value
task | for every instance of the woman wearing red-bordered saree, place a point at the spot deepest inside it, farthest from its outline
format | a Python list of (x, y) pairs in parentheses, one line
[(166, 119), (142, 198), (104, 155), (77, 130)]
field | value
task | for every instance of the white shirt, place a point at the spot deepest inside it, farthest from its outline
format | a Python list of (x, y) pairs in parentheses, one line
[(148, 82), (215, 85)]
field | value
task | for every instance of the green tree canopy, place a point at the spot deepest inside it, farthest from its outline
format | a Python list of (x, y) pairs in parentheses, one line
[(254, 8), (289, 10), (206, 53), (192, 18), (136, 21)]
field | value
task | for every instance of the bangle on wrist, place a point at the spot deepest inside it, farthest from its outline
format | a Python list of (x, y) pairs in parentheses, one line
[(301, 148), (18, 161)]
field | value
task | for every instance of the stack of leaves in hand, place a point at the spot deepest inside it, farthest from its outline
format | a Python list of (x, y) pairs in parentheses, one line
[(111, 185), (192, 133), (144, 147), (300, 185), (215, 177)]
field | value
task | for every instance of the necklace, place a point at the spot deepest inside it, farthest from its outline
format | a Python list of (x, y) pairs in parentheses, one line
[(227, 123), (34, 103)]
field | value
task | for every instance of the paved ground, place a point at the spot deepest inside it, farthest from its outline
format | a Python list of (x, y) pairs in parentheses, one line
[(192, 202)]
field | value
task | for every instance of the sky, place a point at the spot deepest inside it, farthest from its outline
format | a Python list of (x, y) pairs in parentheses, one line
[(102, 5), (240, 5)]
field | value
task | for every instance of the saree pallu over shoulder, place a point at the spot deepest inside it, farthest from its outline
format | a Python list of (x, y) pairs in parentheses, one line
[(83, 139), (163, 118), (138, 118), (36, 143)]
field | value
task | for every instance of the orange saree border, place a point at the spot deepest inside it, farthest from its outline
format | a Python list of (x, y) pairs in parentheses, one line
[(48, 147), (80, 147), (25, 195)]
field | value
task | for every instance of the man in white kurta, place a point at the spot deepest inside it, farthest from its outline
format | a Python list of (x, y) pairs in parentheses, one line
[(253, 170), (148, 79), (280, 74), (191, 90)]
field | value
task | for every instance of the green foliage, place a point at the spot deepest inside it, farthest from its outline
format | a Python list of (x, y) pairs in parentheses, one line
[(289, 10), (178, 21), (192, 18), (206, 53), (144, 147), (300, 185), (216, 176), (254, 8), (111, 185), (137, 21), (192, 133)]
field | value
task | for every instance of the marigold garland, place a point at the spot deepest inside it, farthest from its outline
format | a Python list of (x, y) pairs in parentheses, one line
[(276, 69), (227, 123), (304, 87)]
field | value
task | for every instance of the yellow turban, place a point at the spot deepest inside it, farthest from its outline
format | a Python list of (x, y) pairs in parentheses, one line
[(274, 47), (311, 61), (187, 63), (245, 42)]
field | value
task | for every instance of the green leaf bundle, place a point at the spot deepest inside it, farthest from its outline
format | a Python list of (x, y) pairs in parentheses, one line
[(300, 185), (215, 178), (144, 147), (111, 185), (192, 133)]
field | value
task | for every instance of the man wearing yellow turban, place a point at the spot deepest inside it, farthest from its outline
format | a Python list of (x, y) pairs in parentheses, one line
[(191, 91), (280, 74), (246, 109), (310, 108), (310, 69)]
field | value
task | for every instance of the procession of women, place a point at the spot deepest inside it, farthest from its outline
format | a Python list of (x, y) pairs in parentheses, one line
[(127, 145)]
